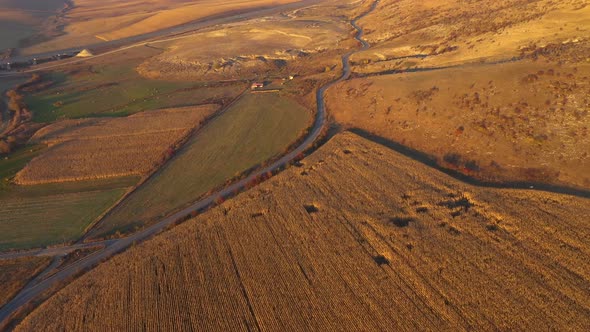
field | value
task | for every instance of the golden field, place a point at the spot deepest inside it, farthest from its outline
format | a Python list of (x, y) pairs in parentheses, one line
[(104, 148), (94, 21), (357, 237)]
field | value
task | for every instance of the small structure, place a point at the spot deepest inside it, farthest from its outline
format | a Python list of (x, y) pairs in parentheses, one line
[(257, 85), (84, 54)]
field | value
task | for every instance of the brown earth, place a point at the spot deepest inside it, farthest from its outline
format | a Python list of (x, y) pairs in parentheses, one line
[(356, 238), (103, 148)]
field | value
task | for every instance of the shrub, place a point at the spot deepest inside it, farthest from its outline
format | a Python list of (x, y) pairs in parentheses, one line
[(452, 158)]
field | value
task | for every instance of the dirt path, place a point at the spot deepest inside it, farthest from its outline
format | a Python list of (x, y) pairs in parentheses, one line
[(33, 291)]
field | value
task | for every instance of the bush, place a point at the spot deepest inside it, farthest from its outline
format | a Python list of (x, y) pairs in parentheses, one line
[(452, 158), (5, 147)]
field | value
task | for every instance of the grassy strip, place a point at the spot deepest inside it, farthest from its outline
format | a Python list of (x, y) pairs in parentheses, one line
[(255, 129)]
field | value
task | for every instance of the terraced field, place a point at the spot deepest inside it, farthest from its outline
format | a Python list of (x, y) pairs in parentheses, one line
[(255, 129), (93, 149), (356, 238), (15, 273), (35, 221)]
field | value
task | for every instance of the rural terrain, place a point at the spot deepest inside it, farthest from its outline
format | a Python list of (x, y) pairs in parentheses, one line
[(284, 164), (497, 90), (355, 231)]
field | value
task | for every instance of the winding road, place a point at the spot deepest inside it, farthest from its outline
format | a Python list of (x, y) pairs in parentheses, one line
[(113, 247)]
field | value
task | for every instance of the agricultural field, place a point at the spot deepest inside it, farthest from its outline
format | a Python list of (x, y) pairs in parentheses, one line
[(502, 100), (255, 129), (77, 169), (114, 88), (36, 221), (357, 237), (100, 148), (94, 21), (15, 273), (10, 165)]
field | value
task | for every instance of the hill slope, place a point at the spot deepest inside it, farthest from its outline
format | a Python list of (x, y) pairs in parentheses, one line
[(357, 238)]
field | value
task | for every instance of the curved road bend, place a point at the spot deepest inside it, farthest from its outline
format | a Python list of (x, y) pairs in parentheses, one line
[(117, 246)]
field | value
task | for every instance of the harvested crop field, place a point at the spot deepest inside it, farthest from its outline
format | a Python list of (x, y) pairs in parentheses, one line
[(37, 221), (253, 130), (15, 273), (356, 238), (104, 148)]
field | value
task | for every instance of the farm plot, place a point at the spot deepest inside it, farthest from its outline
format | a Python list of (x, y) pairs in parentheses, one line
[(105, 148), (255, 129), (15, 273), (356, 238), (37, 221), (97, 91)]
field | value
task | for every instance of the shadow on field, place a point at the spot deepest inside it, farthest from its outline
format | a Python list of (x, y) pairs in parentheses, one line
[(432, 162)]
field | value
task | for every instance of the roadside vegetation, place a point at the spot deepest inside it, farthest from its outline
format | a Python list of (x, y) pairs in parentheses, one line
[(15, 273), (255, 129)]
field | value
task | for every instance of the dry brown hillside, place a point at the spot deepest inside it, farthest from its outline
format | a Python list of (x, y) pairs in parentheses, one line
[(495, 89), (356, 238)]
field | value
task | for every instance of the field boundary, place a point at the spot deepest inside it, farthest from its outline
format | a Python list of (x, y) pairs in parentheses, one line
[(180, 144)]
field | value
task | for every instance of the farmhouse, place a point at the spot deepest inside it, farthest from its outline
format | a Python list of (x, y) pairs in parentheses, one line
[(257, 85)]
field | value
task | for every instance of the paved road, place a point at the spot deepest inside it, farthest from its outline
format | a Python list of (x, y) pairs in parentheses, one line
[(33, 291)]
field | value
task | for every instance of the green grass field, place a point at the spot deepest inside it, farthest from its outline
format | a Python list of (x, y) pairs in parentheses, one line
[(255, 129), (107, 91), (10, 165), (115, 90), (27, 222), (40, 215)]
